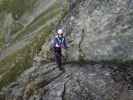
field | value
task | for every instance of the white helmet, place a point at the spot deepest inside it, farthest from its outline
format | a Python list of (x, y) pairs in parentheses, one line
[(60, 31)]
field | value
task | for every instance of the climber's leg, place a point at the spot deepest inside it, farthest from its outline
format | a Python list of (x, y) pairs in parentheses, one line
[(58, 57)]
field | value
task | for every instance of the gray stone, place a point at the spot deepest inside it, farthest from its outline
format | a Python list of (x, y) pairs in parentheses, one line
[(98, 30), (79, 82)]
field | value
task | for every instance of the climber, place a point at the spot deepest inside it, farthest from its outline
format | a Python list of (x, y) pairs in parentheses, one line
[(59, 42)]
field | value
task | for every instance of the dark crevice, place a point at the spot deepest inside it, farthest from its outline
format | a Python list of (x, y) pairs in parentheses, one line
[(81, 56), (44, 83), (63, 93)]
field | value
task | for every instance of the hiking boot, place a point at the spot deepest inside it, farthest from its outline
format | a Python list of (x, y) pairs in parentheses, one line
[(61, 69)]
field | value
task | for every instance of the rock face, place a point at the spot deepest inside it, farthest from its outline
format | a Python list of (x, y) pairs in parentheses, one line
[(97, 30), (79, 82), (100, 30), (25, 34)]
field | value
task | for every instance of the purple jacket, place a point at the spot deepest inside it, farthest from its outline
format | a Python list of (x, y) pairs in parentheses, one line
[(60, 42)]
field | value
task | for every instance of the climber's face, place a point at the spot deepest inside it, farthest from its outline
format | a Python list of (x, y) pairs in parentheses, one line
[(60, 35)]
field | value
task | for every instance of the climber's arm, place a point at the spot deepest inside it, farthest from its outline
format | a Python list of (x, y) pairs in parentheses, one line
[(65, 44)]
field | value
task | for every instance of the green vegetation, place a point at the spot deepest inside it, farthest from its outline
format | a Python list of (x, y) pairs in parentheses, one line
[(13, 65), (39, 21), (16, 63), (16, 7), (16, 27), (50, 13), (1, 40)]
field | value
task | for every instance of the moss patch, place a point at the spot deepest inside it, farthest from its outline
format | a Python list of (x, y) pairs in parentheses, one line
[(54, 11), (16, 7), (1, 40), (22, 59), (13, 65)]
